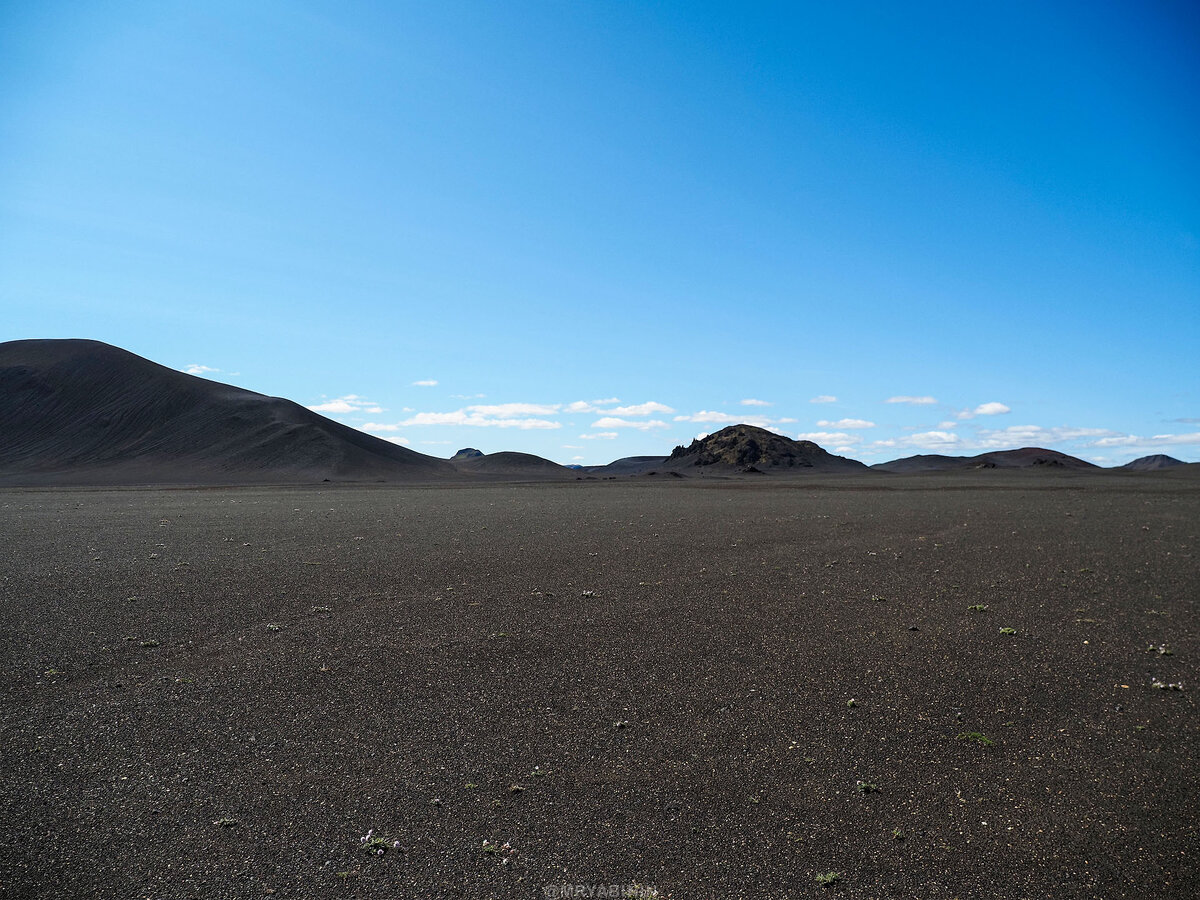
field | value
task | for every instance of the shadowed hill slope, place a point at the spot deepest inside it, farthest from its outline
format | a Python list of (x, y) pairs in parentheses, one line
[(746, 448), (85, 412)]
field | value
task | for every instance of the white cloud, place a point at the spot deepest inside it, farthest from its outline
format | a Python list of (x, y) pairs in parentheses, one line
[(467, 396), (614, 422), (991, 409), (1037, 436), (641, 409), (846, 423), (197, 369), (913, 401), (573, 458), (349, 403), (829, 437), (426, 382), (515, 409), (523, 416), (752, 402), (711, 417), (947, 424), (600, 436), (1158, 440), (590, 406), (935, 440), (984, 409), (478, 420), (786, 420), (403, 442), (572, 447), (824, 398)]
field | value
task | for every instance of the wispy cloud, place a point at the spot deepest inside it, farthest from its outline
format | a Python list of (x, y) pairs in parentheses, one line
[(1036, 436), (984, 409), (515, 409), (590, 406), (824, 398), (350, 403), (750, 401), (403, 442), (846, 423), (932, 440), (609, 422), (474, 419), (1158, 440), (640, 409), (912, 401), (712, 417), (827, 438), (521, 416), (197, 369), (426, 382), (600, 436)]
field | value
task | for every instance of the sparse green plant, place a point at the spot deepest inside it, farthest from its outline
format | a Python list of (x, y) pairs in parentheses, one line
[(375, 845), (978, 607), (149, 643), (225, 822), (877, 599), (274, 626), (851, 703), (981, 739), (866, 787), (824, 879), (898, 834), (1160, 649), (1007, 630)]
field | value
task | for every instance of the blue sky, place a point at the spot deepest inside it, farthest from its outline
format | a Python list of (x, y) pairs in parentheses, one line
[(588, 230)]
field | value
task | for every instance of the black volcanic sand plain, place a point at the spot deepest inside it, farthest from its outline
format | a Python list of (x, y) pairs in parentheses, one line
[(218, 692)]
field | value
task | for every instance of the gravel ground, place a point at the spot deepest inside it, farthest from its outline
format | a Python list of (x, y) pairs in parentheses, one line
[(718, 690)]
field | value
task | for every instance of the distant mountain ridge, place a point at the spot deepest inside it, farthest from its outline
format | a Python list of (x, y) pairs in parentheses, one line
[(1024, 458), (85, 412)]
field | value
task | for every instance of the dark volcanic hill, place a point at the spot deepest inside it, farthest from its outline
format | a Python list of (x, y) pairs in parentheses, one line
[(511, 464), (746, 448), (1025, 458), (84, 412), (1153, 463), (627, 465)]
